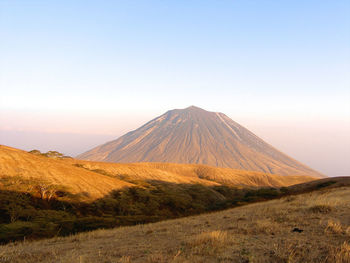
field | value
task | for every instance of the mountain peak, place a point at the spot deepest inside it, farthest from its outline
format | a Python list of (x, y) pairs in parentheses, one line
[(194, 135), (192, 107)]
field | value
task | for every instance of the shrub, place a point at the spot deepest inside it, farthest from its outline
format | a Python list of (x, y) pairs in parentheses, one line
[(261, 194), (37, 152), (325, 184), (323, 209), (17, 230)]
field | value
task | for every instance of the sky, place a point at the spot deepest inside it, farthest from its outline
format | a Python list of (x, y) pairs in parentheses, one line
[(74, 74)]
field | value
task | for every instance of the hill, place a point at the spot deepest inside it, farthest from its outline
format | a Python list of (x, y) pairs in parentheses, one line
[(310, 227), (97, 179), (191, 173), (45, 195), (31, 169), (193, 135)]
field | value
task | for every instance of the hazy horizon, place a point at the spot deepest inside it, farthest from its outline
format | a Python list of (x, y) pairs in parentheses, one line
[(76, 74), (305, 144)]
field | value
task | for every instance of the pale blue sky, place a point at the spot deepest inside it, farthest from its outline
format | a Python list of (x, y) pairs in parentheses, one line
[(105, 67)]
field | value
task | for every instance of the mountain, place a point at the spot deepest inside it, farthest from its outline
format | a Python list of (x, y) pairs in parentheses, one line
[(194, 135)]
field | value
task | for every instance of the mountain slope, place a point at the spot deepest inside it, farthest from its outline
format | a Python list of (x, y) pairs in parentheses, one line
[(193, 135)]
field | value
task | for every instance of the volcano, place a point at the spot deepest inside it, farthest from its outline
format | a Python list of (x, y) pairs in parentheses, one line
[(194, 135)]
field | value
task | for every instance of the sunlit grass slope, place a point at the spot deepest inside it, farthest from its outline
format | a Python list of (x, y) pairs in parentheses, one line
[(192, 173), (18, 163), (97, 179)]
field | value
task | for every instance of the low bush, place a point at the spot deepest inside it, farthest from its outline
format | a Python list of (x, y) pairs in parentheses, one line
[(325, 184), (323, 209)]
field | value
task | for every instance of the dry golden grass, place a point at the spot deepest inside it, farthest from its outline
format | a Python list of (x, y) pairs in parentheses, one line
[(192, 173), (347, 231), (333, 227), (208, 242), (18, 163), (258, 233), (340, 254), (78, 180)]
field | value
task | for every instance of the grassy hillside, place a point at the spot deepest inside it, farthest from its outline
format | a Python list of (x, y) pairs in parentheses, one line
[(45, 195), (21, 167), (311, 227), (92, 180), (190, 173)]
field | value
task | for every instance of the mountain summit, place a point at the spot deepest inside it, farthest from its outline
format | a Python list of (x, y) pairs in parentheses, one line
[(194, 135)]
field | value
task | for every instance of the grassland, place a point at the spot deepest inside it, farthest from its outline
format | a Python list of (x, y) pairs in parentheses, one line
[(16, 163), (191, 174), (93, 180), (47, 195), (50, 196), (311, 227)]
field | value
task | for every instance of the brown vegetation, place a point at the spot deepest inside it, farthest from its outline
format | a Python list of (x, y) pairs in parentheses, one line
[(31, 167), (42, 195), (95, 180), (260, 232), (189, 173)]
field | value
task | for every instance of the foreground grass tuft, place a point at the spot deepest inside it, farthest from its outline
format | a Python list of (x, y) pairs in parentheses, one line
[(341, 254), (213, 239), (333, 227)]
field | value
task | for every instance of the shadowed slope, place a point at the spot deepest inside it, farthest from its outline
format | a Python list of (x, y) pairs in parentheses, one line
[(193, 135), (260, 232)]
